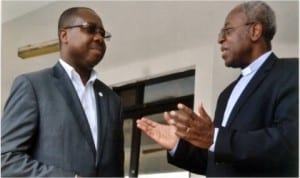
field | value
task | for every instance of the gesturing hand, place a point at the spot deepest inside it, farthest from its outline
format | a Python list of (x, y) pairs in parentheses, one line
[(196, 129), (163, 134)]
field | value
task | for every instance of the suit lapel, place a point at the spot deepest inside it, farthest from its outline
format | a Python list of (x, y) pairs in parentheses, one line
[(252, 86), (222, 103), (67, 89), (102, 111)]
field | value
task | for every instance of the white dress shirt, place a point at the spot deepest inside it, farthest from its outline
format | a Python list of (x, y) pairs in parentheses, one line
[(86, 95)]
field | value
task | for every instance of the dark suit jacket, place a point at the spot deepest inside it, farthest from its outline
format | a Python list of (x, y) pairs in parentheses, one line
[(261, 136), (45, 132)]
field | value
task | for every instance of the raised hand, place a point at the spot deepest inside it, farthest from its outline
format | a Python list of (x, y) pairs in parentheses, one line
[(163, 134), (196, 129)]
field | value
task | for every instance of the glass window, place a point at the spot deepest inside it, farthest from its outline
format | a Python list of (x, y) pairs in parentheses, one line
[(151, 97), (169, 89), (127, 128), (153, 158), (129, 97)]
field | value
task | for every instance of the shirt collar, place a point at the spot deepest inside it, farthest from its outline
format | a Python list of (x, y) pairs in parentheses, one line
[(71, 71), (255, 65)]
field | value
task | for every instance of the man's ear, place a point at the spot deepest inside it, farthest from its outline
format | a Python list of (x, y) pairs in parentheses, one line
[(63, 36), (256, 31)]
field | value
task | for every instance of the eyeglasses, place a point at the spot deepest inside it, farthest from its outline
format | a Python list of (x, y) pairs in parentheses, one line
[(92, 29), (226, 31)]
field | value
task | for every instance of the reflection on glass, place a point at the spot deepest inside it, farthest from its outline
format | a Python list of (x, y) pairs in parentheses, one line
[(169, 89), (127, 130), (128, 97)]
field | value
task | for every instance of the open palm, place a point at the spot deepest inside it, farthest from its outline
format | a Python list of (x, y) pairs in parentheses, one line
[(163, 134)]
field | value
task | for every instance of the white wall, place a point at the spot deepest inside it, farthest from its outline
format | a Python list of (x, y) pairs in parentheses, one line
[(166, 64)]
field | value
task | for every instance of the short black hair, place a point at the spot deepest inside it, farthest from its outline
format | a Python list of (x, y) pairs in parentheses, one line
[(67, 17)]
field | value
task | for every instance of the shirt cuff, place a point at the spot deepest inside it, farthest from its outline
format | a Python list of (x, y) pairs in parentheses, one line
[(173, 150), (212, 147)]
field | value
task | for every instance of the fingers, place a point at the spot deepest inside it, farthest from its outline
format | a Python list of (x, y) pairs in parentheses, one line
[(146, 125), (181, 127), (179, 117), (203, 114), (188, 111), (178, 120), (183, 131), (168, 118)]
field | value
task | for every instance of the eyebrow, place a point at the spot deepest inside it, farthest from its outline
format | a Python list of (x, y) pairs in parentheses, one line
[(226, 24), (93, 22), (97, 25)]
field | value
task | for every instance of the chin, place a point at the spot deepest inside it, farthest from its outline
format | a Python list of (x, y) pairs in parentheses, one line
[(92, 62), (96, 58), (229, 63), (226, 61), (96, 62), (233, 65)]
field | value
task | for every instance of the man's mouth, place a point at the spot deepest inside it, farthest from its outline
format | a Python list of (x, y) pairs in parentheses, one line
[(223, 49)]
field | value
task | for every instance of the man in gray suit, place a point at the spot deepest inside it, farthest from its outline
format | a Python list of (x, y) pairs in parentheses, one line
[(62, 121)]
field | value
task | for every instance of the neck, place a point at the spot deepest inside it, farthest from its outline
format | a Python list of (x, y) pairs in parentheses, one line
[(258, 50), (84, 75)]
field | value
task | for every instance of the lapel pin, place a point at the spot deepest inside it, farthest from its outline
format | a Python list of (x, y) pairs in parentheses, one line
[(100, 94)]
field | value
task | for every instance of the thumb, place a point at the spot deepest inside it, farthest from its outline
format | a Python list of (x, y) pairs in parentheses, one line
[(203, 113)]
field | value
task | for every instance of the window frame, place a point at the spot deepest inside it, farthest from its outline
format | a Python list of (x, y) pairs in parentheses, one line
[(140, 109)]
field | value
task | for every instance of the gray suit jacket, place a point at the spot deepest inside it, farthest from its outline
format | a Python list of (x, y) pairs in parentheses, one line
[(45, 132)]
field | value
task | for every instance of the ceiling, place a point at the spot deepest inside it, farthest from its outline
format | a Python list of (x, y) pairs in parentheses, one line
[(13, 9)]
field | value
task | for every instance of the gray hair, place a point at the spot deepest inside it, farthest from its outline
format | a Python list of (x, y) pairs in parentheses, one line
[(258, 11)]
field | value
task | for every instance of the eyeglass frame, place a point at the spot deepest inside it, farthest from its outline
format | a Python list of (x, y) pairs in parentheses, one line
[(224, 32), (105, 34)]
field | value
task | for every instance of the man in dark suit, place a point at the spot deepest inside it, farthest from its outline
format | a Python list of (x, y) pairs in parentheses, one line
[(62, 121), (255, 129)]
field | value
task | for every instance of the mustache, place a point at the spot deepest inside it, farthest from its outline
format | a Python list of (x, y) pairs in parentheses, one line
[(97, 45)]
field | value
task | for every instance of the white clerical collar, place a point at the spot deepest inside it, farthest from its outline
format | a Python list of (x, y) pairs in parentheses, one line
[(255, 65)]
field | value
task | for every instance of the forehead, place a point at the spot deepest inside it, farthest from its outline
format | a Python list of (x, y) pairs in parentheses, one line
[(89, 16), (236, 17)]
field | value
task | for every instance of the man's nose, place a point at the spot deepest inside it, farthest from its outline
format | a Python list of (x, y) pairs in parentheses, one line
[(98, 37), (221, 38)]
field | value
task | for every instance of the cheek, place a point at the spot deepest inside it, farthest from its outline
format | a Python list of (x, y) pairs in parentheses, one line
[(78, 44), (78, 51), (239, 44), (96, 52), (232, 56)]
